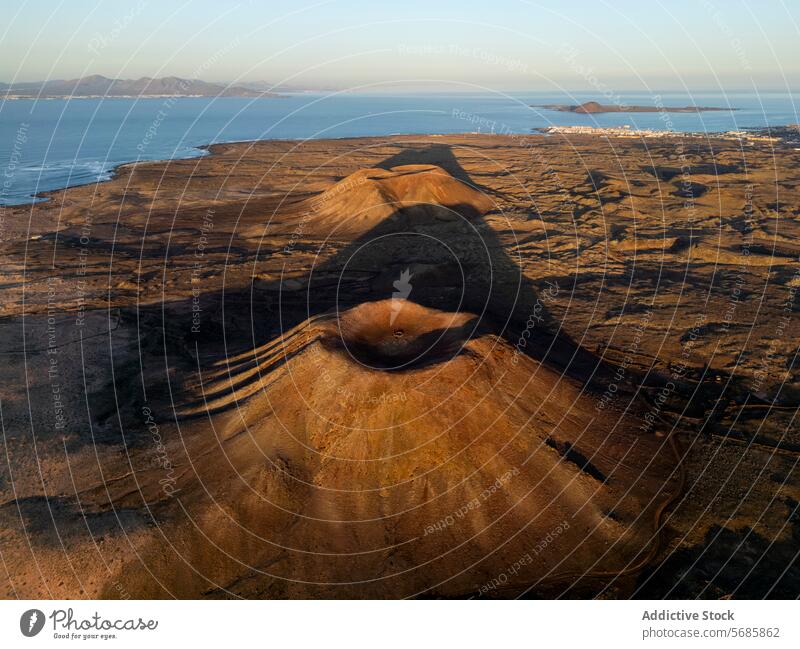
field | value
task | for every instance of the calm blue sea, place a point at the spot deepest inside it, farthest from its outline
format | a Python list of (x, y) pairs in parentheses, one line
[(52, 144)]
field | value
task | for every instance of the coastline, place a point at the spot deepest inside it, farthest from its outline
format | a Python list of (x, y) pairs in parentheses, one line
[(207, 149), (166, 251)]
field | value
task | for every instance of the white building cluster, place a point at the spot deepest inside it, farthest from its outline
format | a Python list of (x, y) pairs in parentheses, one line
[(628, 132)]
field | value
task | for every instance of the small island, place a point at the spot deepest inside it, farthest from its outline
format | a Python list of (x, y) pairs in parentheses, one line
[(593, 108)]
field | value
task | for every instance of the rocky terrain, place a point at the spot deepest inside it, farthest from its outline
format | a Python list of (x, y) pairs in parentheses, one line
[(441, 366)]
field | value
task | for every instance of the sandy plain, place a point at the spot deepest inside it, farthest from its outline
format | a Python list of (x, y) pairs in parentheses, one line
[(412, 366)]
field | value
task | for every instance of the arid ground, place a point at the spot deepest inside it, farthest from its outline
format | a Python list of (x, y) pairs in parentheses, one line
[(440, 366)]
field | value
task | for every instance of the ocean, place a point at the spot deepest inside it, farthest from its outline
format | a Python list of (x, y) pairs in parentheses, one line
[(53, 144)]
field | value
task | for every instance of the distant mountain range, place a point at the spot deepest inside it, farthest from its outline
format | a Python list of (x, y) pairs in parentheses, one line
[(100, 86)]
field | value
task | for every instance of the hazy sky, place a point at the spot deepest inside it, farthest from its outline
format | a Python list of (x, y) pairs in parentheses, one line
[(497, 44)]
